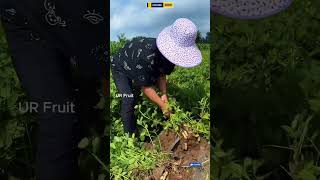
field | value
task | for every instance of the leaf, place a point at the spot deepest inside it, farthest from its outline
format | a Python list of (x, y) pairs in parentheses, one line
[(10, 130), (13, 178), (291, 133), (294, 123), (95, 144), (101, 104), (5, 92), (130, 143), (232, 170), (83, 143), (247, 162), (219, 154), (113, 146), (315, 105), (315, 52), (102, 177), (306, 175)]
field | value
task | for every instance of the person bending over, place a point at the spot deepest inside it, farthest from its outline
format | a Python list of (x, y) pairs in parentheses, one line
[(145, 62)]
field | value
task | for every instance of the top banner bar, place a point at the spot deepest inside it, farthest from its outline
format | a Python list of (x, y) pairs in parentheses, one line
[(151, 5)]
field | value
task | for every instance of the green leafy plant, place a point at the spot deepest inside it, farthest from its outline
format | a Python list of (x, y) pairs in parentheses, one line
[(129, 159), (264, 72), (305, 153)]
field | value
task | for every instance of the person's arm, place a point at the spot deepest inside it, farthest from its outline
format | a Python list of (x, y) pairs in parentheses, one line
[(162, 84), (153, 96)]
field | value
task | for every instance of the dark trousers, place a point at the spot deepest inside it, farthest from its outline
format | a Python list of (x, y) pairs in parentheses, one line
[(128, 94), (59, 75)]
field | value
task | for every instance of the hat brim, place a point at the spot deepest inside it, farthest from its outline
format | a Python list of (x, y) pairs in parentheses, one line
[(246, 10), (181, 56)]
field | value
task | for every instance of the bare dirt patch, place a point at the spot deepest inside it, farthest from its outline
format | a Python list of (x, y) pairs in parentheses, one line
[(184, 148)]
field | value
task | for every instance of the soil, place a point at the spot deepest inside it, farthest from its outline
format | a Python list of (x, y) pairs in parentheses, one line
[(198, 150)]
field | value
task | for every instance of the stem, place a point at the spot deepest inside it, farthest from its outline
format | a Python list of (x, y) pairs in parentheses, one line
[(315, 147), (30, 143), (159, 142), (144, 114), (285, 170), (281, 147), (121, 176), (204, 162), (147, 128), (97, 158), (149, 136), (302, 138)]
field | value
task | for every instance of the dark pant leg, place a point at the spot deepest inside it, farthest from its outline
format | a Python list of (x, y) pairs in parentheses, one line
[(124, 86), (43, 73)]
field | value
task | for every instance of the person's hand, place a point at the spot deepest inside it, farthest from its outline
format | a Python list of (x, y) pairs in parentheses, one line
[(166, 110), (164, 98)]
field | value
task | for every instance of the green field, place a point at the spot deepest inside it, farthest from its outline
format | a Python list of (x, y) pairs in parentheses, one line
[(266, 95), (189, 96)]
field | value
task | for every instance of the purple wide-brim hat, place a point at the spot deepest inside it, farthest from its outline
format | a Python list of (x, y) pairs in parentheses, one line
[(177, 43), (249, 9)]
